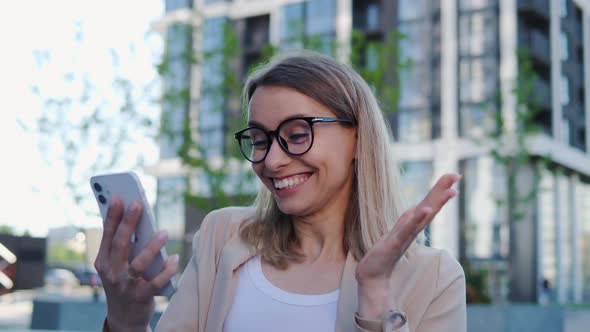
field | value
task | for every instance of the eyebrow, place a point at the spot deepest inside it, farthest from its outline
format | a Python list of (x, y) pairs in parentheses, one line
[(252, 123)]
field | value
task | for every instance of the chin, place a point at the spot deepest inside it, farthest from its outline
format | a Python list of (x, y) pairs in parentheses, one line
[(292, 208)]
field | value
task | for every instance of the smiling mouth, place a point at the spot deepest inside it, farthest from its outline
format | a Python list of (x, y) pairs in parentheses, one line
[(290, 182)]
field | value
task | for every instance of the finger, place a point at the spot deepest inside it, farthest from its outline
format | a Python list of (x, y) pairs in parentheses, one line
[(113, 218), (147, 255), (169, 271), (438, 195), (406, 228), (122, 239), (413, 225), (445, 197)]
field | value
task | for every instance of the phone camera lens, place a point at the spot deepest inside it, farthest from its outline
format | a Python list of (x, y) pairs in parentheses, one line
[(97, 187), (102, 199)]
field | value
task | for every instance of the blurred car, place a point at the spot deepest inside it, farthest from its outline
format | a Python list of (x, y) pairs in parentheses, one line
[(88, 277), (61, 278)]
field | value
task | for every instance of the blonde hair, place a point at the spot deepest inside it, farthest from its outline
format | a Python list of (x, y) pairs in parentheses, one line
[(375, 203)]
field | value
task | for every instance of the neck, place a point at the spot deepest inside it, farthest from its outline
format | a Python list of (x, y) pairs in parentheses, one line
[(321, 237)]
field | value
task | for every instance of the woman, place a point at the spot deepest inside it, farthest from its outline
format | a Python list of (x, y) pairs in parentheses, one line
[(325, 248)]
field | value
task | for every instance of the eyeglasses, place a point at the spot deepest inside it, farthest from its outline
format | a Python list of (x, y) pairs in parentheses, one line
[(295, 136)]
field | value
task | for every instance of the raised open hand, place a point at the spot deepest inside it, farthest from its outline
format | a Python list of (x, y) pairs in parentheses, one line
[(374, 270), (130, 298)]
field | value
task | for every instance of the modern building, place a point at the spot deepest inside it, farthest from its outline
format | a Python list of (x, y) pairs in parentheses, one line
[(465, 71)]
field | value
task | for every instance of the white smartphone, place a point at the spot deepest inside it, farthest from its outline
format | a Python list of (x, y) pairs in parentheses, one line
[(128, 188)]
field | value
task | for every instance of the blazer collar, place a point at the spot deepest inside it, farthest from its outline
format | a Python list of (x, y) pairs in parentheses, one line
[(348, 301), (233, 254)]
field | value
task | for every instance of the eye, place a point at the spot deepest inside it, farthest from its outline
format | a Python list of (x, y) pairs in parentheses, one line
[(259, 143), (298, 138), (257, 140)]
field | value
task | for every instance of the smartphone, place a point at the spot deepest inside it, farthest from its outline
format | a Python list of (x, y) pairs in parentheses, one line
[(128, 188)]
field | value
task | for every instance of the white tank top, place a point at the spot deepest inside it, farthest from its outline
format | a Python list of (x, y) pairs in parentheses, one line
[(260, 306)]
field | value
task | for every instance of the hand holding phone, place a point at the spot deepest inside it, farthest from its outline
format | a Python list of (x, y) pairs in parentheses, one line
[(132, 260)]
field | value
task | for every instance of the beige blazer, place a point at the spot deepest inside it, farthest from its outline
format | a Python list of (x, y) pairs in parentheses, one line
[(428, 284)]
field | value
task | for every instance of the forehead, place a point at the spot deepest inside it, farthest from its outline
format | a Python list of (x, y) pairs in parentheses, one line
[(270, 105)]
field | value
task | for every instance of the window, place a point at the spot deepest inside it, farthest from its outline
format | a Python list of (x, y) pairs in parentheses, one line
[(478, 66), (486, 229), (413, 91), (292, 22), (416, 180), (478, 32), (564, 47), (547, 222), (416, 42), (412, 9), (478, 79), (565, 130), (419, 23), (169, 208), (310, 24), (171, 5), (583, 199), (320, 17), (373, 16), (566, 236), (213, 33), (414, 125), (211, 103), (562, 8), (176, 81), (565, 91), (475, 4)]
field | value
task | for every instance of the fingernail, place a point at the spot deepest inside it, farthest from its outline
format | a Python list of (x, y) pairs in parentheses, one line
[(174, 259), (162, 236), (135, 207)]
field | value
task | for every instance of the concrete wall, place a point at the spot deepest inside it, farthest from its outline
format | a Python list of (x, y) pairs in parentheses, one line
[(68, 315)]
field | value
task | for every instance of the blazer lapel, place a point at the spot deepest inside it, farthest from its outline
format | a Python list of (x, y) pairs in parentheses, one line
[(348, 301), (233, 255)]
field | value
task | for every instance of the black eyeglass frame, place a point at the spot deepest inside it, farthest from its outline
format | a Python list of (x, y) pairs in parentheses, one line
[(274, 134)]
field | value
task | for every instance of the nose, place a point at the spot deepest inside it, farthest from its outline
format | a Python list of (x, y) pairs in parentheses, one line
[(276, 156)]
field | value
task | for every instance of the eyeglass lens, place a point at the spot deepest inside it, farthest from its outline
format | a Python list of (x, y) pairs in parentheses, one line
[(295, 137)]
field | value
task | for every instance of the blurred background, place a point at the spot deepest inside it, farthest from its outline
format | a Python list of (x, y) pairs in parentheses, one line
[(497, 90)]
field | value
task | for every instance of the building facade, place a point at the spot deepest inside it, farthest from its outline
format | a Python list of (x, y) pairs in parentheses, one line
[(464, 71)]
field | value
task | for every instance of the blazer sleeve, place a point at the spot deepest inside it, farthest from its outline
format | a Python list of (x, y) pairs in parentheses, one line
[(448, 310), (182, 310)]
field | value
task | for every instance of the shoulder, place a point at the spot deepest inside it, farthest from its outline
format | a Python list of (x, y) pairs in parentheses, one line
[(220, 225), (226, 218), (436, 260)]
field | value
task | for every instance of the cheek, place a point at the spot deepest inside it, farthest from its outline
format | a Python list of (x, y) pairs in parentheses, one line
[(257, 168)]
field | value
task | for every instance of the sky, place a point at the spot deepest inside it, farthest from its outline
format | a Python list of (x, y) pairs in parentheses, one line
[(42, 41)]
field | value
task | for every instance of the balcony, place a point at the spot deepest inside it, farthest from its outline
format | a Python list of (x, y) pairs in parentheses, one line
[(256, 34), (537, 9), (366, 17), (537, 44), (541, 95)]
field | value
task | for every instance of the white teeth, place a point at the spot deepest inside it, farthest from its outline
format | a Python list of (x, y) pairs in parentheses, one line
[(290, 182)]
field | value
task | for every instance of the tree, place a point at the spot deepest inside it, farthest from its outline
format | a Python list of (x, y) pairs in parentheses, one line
[(509, 149), (7, 229), (81, 120), (92, 122)]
